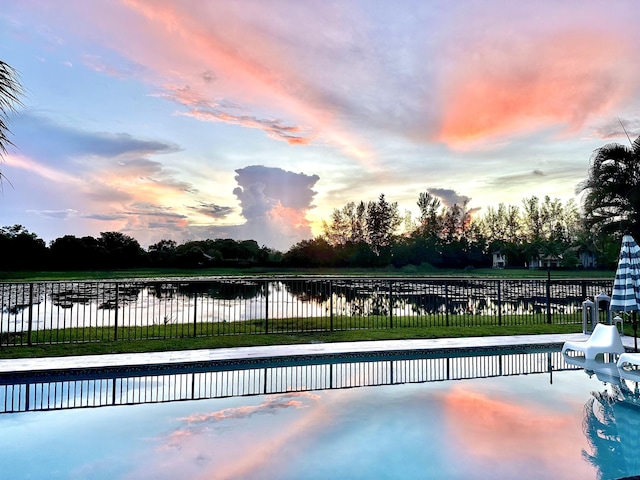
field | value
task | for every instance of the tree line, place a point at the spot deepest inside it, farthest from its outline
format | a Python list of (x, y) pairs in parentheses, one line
[(366, 234), (372, 234), (24, 250)]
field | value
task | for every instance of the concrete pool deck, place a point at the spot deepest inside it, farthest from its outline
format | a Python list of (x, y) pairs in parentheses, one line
[(183, 357)]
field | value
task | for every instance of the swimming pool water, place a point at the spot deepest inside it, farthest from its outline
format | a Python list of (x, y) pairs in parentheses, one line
[(565, 426)]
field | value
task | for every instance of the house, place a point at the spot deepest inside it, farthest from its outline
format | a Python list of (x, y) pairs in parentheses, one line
[(499, 260), (587, 259), (582, 257), (545, 261)]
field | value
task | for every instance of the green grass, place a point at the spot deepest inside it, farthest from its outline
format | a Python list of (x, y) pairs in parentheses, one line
[(85, 341), (360, 272), (246, 340), (305, 325)]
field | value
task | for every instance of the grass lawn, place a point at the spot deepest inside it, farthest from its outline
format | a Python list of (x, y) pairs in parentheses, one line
[(245, 340), (507, 273)]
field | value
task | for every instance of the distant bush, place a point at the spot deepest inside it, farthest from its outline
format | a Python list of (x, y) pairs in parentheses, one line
[(426, 267), (409, 269)]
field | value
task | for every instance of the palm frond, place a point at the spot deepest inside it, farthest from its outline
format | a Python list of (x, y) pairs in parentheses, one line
[(611, 199), (11, 92)]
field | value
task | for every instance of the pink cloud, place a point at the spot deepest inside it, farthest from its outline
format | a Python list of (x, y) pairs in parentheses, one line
[(209, 55), (289, 216), (24, 163), (503, 82), (489, 429)]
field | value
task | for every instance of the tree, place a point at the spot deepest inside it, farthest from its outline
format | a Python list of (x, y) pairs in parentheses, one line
[(532, 219), (552, 216), (123, 251), (383, 220), (513, 224), (21, 249), (72, 253), (611, 200), (573, 224), (455, 222), (429, 223), (10, 93), (494, 223), (347, 225), (310, 253), (338, 232), (163, 253)]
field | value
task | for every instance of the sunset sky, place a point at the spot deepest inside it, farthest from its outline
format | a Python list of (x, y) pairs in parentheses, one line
[(254, 119)]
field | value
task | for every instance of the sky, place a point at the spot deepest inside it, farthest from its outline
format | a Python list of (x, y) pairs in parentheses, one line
[(253, 119)]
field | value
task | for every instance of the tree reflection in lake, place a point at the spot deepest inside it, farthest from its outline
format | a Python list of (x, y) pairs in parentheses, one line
[(223, 290)]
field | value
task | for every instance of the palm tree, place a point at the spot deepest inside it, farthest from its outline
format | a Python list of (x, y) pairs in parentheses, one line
[(612, 199), (10, 93)]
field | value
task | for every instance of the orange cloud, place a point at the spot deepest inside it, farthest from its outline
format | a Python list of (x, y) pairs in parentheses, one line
[(292, 217), (491, 429), (500, 88)]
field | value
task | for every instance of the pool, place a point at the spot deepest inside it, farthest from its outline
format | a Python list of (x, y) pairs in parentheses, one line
[(498, 416)]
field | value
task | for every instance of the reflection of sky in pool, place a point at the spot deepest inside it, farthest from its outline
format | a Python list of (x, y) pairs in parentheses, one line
[(498, 428)]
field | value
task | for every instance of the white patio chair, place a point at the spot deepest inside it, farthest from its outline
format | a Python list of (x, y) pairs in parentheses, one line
[(604, 339)]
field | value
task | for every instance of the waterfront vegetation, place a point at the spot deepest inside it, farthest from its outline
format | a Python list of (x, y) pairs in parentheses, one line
[(507, 273)]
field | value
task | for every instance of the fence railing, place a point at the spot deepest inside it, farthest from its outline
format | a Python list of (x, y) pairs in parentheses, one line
[(87, 311), (129, 387)]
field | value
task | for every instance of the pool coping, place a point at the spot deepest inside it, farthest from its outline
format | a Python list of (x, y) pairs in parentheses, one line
[(251, 357)]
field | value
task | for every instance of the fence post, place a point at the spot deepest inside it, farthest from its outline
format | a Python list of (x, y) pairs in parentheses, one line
[(27, 398), (30, 326), (499, 302), (115, 327), (266, 306), (548, 295), (195, 314), (330, 376), (331, 305), (584, 289), (390, 303), (264, 386), (446, 302)]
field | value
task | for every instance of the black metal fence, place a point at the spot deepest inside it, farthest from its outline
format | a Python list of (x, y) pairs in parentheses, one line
[(137, 387), (71, 311)]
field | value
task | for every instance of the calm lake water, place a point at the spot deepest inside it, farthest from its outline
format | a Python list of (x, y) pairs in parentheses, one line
[(43, 306)]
